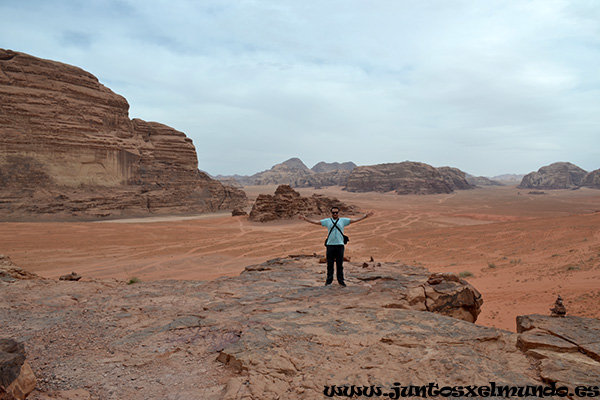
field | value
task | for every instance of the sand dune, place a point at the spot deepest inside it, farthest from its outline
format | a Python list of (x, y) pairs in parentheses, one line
[(522, 250)]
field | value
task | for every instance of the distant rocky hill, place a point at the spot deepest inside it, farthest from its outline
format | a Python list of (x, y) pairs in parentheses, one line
[(68, 149), (335, 166), (592, 180), (508, 179), (560, 175), (406, 178), (295, 173), (482, 181)]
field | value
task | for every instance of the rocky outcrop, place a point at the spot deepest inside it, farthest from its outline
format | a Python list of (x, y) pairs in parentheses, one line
[(560, 175), (9, 272), (406, 178), (592, 180), (568, 349), (68, 148), (455, 178), (286, 203), (276, 332), (295, 173), (17, 380)]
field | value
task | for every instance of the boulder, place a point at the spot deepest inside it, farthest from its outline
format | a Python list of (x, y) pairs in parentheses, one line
[(16, 377), (69, 149), (286, 203), (450, 295), (73, 276)]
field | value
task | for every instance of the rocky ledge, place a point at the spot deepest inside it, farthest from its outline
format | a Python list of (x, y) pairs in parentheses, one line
[(275, 332)]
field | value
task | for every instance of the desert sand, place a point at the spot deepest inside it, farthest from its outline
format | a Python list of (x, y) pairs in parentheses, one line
[(520, 250)]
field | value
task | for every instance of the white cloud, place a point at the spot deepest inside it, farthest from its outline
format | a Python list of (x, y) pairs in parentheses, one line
[(489, 87)]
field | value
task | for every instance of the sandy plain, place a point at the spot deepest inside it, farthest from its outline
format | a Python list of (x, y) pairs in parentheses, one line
[(520, 250)]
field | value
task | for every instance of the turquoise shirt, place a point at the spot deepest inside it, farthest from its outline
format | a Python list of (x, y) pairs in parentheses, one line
[(336, 237)]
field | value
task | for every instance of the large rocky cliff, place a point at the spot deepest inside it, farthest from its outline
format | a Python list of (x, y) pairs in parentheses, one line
[(68, 147)]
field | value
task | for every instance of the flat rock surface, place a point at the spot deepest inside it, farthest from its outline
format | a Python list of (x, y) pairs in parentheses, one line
[(274, 332)]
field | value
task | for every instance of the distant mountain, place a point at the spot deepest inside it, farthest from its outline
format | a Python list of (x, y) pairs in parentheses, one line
[(508, 179), (406, 178), (295, 173), (560, 175), (335, 166), (482, 181), (592, 180)]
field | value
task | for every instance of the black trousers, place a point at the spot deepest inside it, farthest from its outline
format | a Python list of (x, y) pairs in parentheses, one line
[(335, 254)]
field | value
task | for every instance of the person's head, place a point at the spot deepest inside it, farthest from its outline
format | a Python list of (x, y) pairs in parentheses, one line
[(335, 212)]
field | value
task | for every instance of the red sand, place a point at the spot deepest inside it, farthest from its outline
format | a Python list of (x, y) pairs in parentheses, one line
[(522, 250)]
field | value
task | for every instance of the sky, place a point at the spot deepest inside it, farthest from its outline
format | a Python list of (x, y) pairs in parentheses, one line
[(488, 86)]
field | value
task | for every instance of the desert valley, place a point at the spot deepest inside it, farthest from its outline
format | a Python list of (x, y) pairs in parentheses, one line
[(190, 284)]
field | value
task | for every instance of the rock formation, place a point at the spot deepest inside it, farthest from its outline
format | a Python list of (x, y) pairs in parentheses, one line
[(406, 178), (592, 180), (560, 175), (9, 272), (482, 181), (323, 167), (17, 380), (567, 349), (276, 332), (68, 148), (286, 203), (295, 173), (559, 309)]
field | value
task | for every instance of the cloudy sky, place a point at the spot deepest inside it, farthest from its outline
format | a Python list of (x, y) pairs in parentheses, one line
[(487, 86)]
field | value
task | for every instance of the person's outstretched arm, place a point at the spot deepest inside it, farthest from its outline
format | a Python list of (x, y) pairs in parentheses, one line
[(361, 218), (312, 221)]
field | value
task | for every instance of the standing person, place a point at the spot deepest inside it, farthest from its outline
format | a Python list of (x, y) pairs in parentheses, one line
[(335, 242)]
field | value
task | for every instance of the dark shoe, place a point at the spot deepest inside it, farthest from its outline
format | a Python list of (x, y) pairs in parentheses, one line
[(327, 283), (342, 284)]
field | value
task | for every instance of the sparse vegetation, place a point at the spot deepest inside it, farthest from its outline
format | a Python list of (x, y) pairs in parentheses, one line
[(515, 261), (465, 274), (491, 265), (133, 280), (572, 268)]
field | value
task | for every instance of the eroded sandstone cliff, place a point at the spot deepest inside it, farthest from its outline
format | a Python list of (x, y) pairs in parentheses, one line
[(69, 148)]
